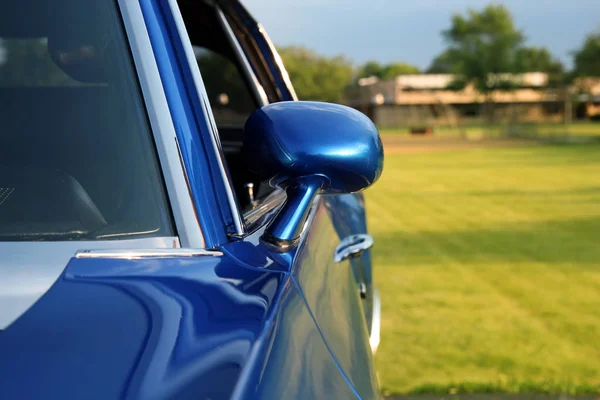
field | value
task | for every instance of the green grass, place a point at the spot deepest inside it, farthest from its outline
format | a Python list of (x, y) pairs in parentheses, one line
[(496, 130), (488, 262)]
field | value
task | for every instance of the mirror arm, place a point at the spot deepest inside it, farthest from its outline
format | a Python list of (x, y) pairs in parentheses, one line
[(283, 233)]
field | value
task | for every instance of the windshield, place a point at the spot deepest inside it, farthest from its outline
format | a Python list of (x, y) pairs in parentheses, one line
[(77, 161)]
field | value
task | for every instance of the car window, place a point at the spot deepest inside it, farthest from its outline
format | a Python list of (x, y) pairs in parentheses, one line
[(233, 92), (229, 95), (77, 160)]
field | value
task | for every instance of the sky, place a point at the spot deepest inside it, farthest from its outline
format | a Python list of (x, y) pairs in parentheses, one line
[(409, 30)]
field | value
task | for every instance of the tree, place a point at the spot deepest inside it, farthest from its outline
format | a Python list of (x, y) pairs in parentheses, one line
[(482, 49), (539, 59), (482, 46), (388, 71), (317, 77), (392, 70), (587, 58), (445, 63), (371, 68)]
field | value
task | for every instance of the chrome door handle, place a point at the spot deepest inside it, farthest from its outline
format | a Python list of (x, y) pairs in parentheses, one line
[(352, 246)]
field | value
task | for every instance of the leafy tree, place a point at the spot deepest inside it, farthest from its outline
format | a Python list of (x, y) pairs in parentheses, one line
[(482, 45), (399, 68), (388, 71), (587, 58), (539, 59), (536, 59), (371, 68), (445, 63), (317, 77), (482, 49)]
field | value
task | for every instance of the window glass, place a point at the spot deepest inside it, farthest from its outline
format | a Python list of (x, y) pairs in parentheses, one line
[(77, 161), (229, 95)]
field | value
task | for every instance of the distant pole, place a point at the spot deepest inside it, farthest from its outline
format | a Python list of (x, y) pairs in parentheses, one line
[(568, 111)]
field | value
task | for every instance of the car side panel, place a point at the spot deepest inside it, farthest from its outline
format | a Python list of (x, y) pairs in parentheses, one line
[(293, 361), (349, 218), (331, 293)]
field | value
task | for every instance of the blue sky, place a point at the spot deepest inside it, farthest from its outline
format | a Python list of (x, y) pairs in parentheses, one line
[(405, 30)]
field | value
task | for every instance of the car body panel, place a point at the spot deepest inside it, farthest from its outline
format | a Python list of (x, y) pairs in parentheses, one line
[(167, 328), (28, 270), (330, 290), (348, 215)]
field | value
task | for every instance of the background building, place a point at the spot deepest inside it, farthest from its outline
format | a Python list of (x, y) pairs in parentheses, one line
[(424, 99)]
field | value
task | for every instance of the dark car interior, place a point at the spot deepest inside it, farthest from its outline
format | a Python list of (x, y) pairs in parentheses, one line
[(76, 157)]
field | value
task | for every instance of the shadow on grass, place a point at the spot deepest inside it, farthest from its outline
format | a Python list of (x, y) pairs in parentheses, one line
[(560, 241), (488, 396), (502, 391)]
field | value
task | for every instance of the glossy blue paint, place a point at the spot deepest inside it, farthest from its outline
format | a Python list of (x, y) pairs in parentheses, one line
[(289, 140), (166, 329), (288, 224), (348, 215), (309, 148), (332, 296), (190, 120)]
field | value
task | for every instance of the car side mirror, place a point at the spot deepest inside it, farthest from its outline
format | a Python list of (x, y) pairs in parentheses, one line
[(309, 148)]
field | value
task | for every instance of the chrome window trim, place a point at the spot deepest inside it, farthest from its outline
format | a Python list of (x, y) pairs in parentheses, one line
[(257, 89), (211, 125), (374, 337), (182, 205), (131, 254), (253, 218), (284, 74), (51, 247)]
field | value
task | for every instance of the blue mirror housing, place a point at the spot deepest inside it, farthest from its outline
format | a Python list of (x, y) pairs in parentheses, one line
[(310, 148)]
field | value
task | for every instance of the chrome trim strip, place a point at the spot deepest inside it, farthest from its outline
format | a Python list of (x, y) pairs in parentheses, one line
[(272, 201), (279, 62), (375, 335), (259, 91), (146, 253), (182, 204), (212, 126)]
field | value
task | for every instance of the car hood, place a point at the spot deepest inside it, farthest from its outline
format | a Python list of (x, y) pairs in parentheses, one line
[(29, 269), (144, 328)]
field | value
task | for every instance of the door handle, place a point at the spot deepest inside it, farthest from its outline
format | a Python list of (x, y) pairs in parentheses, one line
[(352, 246)]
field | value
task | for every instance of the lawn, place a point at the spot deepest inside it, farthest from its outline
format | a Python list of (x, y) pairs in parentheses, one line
[(488, 262)]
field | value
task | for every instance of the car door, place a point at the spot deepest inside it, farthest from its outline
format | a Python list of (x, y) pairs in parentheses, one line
[(345, 214), (348, 211)]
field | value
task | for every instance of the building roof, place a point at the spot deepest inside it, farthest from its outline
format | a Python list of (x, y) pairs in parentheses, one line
[(441, 81)]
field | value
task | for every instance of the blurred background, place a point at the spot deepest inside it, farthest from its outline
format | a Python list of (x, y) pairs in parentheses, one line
[(487, 217)]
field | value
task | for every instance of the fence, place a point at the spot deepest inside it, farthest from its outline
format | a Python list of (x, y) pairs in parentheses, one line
[(551, 121)]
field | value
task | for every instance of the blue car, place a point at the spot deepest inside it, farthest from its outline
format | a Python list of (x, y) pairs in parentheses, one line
[(174, 223)]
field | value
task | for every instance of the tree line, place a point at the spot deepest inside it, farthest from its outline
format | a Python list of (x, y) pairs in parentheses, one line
[(481, 46)]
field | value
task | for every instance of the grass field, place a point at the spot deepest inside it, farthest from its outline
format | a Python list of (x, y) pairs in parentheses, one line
[(488, 262)]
